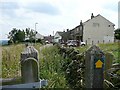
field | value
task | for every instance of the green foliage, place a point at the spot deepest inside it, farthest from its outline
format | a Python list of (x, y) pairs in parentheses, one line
[(117, 33), (49, 61), (51, 67), (113, 48), (11, 60), (30, 34), (16, 36), (61, 72), (73, 67), (20, 36), (113, 73)]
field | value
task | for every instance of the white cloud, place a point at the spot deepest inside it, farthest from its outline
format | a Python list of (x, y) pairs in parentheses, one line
[(69, 16)]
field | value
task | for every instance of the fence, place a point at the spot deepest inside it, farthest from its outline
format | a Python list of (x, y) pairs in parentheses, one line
[(29, 72)]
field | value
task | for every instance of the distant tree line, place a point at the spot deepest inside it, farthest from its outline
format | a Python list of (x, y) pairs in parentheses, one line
[(17, 35)]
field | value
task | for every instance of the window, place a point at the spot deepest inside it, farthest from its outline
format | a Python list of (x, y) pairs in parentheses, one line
[(77, 29), (108, 25), (96, 25)]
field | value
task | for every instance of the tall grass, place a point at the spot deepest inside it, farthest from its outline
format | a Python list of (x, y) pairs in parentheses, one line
[(51, 68), (11, 60), (50, 63), (114, 48)]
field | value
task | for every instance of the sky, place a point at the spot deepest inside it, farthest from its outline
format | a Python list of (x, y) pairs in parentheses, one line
[(52, 15), (119, 14)]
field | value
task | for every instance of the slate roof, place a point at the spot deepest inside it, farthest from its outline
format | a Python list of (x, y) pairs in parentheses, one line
[(60, 33)]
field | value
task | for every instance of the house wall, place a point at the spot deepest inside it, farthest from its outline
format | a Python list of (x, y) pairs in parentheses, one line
[(39, 36), (98, 30), (57, 37)]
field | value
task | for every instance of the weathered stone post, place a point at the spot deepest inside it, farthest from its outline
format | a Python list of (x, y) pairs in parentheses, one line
[(29, 65), (108, 63), (94, 64)]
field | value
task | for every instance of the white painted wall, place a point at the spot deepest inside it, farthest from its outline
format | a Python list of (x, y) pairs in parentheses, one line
[(57, 37), (39, 36), (97, 29)]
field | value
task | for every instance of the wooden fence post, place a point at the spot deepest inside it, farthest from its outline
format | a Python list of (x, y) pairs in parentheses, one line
[(29, 65), (94, 64)]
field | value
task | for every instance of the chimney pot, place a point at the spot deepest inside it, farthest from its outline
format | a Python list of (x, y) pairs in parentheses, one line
[(92, 16)]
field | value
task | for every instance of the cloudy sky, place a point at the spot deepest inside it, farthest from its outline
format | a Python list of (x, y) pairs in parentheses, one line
[(52, 15)]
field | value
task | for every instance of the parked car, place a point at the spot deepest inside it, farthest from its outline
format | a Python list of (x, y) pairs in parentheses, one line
[(47, 42), (71, 43), (82, 43), (74, 43)]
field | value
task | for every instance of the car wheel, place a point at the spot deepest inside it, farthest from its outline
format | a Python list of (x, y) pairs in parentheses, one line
[(83, 45), (70, 46)]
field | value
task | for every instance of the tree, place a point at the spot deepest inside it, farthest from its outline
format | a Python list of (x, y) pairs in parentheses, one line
[(16, 35), (20, 36), (117, 34), (30, 34), (11, 35)]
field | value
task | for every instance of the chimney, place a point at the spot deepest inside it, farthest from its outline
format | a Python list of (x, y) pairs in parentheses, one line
[(92, 16), (67, 30), (81, 22)]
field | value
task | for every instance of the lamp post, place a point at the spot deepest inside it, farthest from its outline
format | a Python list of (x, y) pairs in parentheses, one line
[(35, 31), (81, 31)]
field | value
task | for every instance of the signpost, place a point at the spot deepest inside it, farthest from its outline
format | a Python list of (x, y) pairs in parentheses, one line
[(94, 62)]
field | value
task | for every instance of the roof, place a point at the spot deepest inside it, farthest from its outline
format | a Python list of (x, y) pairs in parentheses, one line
[(48, 38), (60, 33), (39, 36), (98, 16)]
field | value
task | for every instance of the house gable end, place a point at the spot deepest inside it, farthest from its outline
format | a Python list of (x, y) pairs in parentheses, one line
[(99, 16)]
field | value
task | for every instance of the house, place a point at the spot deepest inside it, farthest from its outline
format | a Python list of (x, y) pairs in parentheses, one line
[(39, 36), (95, 30), (48, 39), (98, 30), (58, 36)]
